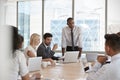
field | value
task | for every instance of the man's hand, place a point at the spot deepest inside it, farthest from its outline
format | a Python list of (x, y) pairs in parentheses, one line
[(102, 59), (55, 47)]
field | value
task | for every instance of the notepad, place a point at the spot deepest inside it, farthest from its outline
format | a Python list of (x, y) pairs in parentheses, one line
[(34, 63)]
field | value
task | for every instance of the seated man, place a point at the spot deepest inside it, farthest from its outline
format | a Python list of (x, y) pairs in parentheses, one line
[(109, 71), (44, 49)]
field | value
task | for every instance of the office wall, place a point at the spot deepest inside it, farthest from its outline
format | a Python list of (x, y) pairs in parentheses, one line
[(2, 12), (113, 16), (11, 13), (4, 42)]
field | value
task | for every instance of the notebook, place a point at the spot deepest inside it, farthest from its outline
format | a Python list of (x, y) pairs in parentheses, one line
[(34, 63), (71, 57)]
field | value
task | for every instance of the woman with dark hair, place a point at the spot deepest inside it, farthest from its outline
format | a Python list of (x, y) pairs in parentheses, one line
[(20, 41), (18, 60)]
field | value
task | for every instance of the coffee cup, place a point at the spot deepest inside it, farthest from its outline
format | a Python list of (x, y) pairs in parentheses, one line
[(44, 64)]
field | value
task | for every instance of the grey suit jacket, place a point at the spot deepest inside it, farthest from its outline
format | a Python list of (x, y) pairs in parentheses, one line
[(44, 52)]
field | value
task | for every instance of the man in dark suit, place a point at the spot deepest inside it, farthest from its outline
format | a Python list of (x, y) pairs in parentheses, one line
[(45, 50)]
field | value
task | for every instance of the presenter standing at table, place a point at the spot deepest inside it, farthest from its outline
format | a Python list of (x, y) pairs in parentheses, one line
[(71, 37)]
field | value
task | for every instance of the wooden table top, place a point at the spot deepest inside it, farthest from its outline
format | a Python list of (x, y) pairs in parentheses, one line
[(68, 71)]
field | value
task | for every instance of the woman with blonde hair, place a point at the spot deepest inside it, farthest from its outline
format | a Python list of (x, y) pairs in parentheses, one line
[(30, 51)]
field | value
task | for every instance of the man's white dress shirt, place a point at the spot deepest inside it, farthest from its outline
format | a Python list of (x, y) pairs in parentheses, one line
[(110, 71), (66, 37)]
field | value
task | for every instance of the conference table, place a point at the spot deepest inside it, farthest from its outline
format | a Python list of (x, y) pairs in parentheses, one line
[(64, 71)]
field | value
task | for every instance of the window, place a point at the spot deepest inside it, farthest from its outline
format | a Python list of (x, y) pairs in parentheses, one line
[(91, 18), (29, 19), (33, 17), (55, 15)]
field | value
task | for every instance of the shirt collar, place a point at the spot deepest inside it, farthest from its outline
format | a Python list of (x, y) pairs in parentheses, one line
[(70, 28), (115, 57), (45, 45)]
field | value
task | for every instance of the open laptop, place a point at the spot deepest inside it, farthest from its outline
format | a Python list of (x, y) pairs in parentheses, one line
[(91, 57), (71, 57), (34, 63)]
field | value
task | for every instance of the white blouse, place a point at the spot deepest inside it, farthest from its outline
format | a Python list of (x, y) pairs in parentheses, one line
[(30, 48), (18, 65), (110, 71)]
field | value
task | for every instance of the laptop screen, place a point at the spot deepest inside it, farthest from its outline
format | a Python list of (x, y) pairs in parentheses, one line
[(91, 56), (71, 56), (34, 63)]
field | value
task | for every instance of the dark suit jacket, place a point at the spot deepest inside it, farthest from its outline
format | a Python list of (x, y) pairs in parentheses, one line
[(42, 51)]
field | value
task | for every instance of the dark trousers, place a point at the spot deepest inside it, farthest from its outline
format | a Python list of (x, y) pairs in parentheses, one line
[(69, 48)]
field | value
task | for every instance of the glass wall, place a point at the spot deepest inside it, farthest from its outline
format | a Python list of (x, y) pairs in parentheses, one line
[(29, 19), (90, 16), (24, 20), (55, 15), (51, 17)]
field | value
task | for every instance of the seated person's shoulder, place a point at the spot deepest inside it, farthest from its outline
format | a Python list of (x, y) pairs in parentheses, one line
[(28, 48), (19, 54), (41, 46), (66, 27)]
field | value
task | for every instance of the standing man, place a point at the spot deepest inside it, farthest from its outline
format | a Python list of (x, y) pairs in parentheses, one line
[(71, 37), (45, 50)]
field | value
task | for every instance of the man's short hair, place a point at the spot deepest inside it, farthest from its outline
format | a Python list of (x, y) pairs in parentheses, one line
[(70, 18), (113, 40), (118, 33), (47, 35)]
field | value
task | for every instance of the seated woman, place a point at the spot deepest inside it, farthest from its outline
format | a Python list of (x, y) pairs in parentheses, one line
[(30, 51), (17, 61)]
